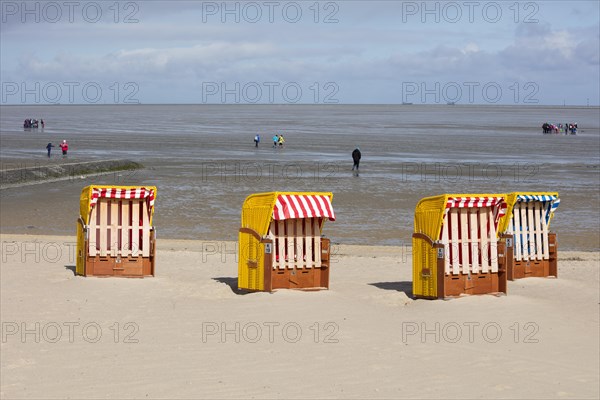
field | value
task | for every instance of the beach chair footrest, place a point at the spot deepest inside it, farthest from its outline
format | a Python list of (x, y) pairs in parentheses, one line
[(306, 278), (119, 266), (532, 268), (484, 283)]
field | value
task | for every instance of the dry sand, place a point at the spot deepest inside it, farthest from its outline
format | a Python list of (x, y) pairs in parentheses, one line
[(189, 333)]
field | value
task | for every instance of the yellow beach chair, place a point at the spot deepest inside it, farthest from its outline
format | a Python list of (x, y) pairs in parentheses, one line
[(456, 248), (280, 243), (115, 236), (528, 217)]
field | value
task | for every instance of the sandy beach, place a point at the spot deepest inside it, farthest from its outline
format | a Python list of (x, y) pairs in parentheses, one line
[(189, 332)]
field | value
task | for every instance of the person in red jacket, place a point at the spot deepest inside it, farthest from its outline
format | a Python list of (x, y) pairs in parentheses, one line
[(64, 146)]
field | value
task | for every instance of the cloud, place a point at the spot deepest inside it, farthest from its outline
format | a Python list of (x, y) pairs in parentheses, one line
[(540, 50), (587, 51), (166, 62), (370, 49)]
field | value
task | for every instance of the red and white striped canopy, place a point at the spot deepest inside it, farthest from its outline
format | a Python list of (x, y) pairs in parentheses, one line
[(114, 193), (462, 202), (497, 204), (303, 206)]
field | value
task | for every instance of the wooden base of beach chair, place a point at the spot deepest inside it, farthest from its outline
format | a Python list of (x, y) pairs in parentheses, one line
[(114, 266), (299, 278), (536, 268), (454, 285), (473, 284), (127, 267), (312, 279)]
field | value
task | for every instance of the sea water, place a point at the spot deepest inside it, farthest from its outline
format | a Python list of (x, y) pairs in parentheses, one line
[(204, 162)]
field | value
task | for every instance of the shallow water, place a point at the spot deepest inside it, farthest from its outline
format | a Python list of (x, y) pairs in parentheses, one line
[(203, 160)]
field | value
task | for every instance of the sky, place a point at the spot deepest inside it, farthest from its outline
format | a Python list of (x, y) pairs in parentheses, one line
[(300, 52)]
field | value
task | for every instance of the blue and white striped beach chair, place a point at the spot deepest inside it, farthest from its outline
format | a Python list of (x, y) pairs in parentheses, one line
[(535, 247)]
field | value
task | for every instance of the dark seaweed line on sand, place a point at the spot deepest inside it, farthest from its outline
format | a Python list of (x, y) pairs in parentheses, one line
[(48, 173)]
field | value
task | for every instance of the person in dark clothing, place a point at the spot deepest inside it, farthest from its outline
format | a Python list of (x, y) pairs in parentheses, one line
[(356, 157), (49, 146)]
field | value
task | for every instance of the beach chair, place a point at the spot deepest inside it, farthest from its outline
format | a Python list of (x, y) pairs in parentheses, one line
[(280, 243), (535, 248), (115, 236), (455, 245)]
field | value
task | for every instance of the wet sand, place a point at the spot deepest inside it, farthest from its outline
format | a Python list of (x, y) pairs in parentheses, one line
[(203, 161), (368, 211)]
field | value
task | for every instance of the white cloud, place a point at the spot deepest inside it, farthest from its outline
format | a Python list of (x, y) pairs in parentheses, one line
[(470, 48)]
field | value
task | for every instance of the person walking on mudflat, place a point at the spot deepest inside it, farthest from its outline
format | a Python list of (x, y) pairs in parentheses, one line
[(64, 146), (49, 147), (356, 158)]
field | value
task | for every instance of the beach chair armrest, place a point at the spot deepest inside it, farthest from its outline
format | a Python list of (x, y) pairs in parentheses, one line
[(84, 227), (552, 245), (251, 232), (424, 237)]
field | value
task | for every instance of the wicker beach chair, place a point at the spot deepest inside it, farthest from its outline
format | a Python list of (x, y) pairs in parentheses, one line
[(535, 248), (280, 243), (115, 236), (456, 248)]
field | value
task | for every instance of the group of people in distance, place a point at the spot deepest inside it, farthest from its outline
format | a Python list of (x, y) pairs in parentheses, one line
[(558, 128), (278, 141), (64, 146), (33, 123)]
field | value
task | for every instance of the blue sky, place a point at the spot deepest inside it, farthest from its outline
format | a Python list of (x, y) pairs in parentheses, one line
[(467, 52)]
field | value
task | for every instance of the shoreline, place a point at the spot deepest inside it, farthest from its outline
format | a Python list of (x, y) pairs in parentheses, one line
[(487, 104), (199, 246)]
